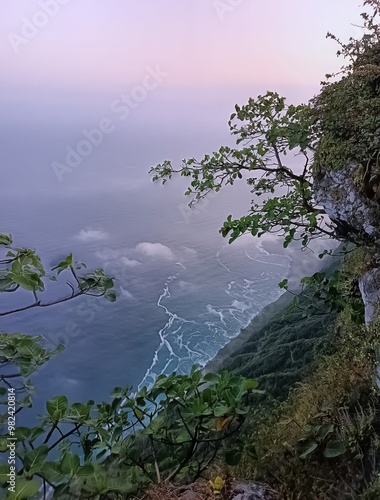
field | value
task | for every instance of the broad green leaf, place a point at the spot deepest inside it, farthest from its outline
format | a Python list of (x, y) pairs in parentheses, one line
[(57, 407), (307, 447), (51, 471), (70, 463), (211, 377), (250, 384), (34, 460), (30, 348), (5, 239), (334, 449), (221, 410), (77, 412), (29, 280), (22, 433), (323, 430), (85, 471), (110, 295), (24, 489)]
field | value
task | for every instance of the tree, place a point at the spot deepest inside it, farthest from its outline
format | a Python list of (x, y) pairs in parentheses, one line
[(268, 129), (280, 147)]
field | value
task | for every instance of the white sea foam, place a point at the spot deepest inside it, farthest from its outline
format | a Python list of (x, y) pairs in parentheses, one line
[(185, 341), (220, 262)]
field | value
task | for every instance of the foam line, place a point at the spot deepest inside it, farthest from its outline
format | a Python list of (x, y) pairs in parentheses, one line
[(220, 262)]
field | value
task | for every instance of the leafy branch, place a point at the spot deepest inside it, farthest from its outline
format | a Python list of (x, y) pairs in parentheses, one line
[(22, 269)]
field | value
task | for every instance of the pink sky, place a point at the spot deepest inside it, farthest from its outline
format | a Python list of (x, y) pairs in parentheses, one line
[(108, 44)]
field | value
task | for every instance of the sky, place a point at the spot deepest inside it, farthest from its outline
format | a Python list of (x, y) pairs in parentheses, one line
[(96, 44), (161, 77)]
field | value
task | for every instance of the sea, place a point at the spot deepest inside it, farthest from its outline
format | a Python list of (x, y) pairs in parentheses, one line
[(183, 290)]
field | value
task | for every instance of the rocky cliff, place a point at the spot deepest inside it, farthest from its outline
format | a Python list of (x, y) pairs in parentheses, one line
[(357, 217)]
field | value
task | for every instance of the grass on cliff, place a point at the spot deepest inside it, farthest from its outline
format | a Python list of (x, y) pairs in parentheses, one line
[(323, 440)]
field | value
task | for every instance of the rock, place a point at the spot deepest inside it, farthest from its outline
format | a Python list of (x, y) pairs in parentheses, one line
[(190, 495), (354, 214), (369, 285), (249, 491)]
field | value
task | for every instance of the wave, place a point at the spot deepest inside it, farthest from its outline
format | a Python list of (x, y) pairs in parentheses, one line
[(207, 327)]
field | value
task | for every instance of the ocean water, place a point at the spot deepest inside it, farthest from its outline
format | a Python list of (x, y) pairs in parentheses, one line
[(183, 291)]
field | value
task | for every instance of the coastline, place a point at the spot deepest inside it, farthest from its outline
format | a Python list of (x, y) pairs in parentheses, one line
[(255, 325), (303, 263)]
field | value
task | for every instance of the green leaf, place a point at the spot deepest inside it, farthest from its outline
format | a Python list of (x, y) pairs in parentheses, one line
[(110, 295), (70, 463), (77, 412), (221, 410), (34, 460), (323, 430), (24, 489), (29, 347), (334, 449), (5, 239), (307, 447), (28, 280), (211, 377), (85, 471), (51, 471), (57, 407), (250, 384), (22, 433), (34, 433)]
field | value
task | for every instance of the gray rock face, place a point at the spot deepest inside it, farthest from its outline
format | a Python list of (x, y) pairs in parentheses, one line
[(249, 491), (345, 205), (369, 285)]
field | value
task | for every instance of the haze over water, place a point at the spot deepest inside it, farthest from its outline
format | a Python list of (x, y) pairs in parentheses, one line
[(183, 292)]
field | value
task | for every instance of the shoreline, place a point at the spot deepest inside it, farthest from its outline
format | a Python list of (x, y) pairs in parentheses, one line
[(255, 325), (303, 263)]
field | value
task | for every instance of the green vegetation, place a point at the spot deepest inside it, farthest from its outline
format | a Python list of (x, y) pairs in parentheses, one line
[(289, 346), (316, 432), (347, 110), (22, 269), (338, 127), (317, 356), (323, 440), (268, 129), (174, 430)]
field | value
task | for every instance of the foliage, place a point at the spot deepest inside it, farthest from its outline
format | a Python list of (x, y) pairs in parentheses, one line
[(348, 110), (268, 133), (324, 440), (20, 356), (281, 149), (174, 429), (22, 269), (217, 485), (286, 348)]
